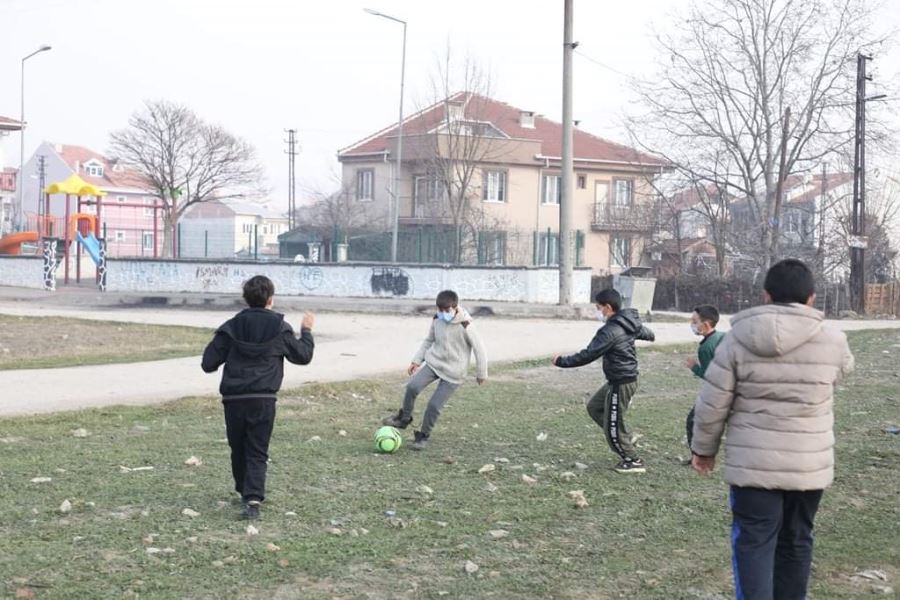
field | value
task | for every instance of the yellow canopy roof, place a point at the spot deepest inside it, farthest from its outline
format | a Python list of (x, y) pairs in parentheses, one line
[(74, 185)]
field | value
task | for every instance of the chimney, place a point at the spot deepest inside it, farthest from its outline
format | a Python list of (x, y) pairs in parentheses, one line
[(526, 119), (77, 167)]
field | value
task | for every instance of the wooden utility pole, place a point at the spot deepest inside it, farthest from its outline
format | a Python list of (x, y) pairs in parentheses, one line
[(857, 239)]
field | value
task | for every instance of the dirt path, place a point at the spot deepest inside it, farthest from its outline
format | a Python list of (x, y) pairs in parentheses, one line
[(349, 346)]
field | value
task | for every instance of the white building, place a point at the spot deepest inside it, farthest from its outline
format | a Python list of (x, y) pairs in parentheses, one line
[(217, 229)]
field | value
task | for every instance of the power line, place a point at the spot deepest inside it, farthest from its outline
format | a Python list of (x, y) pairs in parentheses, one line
[(601, 64)]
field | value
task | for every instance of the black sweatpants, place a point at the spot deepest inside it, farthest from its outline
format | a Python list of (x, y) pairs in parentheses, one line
[(772, 542), (248, 425), (607, 408)]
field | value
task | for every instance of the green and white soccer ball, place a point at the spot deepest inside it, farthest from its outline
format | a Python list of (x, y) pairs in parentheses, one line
[(388, 439)]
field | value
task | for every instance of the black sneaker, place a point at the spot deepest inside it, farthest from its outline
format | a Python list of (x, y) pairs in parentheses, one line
[(631, 465), (397, 420), (250, 511), (420, 442)]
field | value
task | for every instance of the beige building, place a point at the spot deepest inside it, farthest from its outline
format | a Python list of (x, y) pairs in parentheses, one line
[(492, 172)]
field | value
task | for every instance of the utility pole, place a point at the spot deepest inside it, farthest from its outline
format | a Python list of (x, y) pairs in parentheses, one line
[(567, 176), (858, 240), (292, 177)]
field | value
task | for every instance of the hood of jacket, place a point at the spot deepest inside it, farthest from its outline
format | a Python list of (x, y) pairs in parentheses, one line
[(775, 329), (628, 319), (462, 315), (254, 331)]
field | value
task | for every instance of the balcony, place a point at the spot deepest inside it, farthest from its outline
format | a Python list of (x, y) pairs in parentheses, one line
[(610, 217), (424, 212)]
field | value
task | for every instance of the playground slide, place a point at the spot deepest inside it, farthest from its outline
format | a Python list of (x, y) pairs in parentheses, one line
[(12, 243), (91, 244)]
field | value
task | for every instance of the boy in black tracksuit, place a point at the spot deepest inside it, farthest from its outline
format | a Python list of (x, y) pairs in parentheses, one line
[(615, 343), (253, 346)]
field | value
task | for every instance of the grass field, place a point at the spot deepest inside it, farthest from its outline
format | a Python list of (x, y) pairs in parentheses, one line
[(327, 531), (32, 343)]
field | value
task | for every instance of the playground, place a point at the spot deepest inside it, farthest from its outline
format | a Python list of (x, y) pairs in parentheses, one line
[(77, 239), (135, 501)]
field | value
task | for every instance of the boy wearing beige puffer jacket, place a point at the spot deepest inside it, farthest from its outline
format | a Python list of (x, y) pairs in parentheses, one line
[(772, 383)]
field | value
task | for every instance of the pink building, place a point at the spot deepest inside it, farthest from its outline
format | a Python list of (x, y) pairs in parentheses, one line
[(127, 215)]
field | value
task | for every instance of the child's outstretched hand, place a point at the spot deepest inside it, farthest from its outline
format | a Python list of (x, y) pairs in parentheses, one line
[(413, 367), (309, 320), (691, 362), (555, 360)]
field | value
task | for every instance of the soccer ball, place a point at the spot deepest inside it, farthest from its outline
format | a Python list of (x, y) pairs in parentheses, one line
[(388, 439)]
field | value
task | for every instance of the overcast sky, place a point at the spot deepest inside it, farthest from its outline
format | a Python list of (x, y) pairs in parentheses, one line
[(327, 69)]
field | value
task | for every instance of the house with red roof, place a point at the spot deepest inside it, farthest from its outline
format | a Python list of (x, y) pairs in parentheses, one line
[(129, 230), (514, 195)]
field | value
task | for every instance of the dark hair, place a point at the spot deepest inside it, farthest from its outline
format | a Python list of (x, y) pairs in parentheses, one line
[(447, 299), (790, 281), (610, 297), (708, 313), (258, 290)]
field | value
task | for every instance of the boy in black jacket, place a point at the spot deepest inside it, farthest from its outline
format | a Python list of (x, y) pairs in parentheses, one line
[(615, 343), (253, 346)]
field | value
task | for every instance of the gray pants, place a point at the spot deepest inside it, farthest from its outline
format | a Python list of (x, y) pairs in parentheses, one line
[(424, 377)]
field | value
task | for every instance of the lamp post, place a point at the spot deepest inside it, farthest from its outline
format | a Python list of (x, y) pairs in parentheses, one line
[(20, 178), (396, 182)]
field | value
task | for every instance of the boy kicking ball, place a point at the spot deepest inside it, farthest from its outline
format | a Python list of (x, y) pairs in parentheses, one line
[(443, 357), (614, 342)]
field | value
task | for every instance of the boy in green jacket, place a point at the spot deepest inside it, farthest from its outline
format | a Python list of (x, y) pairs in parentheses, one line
[(703, 322)]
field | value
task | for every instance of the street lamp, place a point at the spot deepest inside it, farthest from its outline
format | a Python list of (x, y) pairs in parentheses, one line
[(20, 178), (396, 183)]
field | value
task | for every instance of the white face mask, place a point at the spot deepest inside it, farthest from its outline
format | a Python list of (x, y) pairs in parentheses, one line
[(600, 316), (446, 317), (695, 329)]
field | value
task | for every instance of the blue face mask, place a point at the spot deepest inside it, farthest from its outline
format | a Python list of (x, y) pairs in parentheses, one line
[(446, 317)]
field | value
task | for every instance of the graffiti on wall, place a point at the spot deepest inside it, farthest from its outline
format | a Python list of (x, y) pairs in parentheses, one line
[(311, 277), (346, 281), (390, 281)]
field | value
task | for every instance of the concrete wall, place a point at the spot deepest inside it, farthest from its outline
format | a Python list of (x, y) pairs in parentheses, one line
[(357, 280), (22, 271)]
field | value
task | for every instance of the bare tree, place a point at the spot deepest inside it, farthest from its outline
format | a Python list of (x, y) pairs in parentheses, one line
[(729, 75), (185, 160), (459, 148), (882, 218)]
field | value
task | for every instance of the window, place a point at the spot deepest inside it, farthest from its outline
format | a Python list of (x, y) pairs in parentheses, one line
[(94, 169), (147, 241), (120, 199), (552, 190), (619, 252), (120, 236), (494, 189), (624, 192), (582, 182), (149, 203), (365, 184), (548, 249)]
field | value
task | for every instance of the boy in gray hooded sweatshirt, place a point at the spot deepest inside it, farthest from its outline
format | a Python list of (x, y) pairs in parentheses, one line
[(443, 357)]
